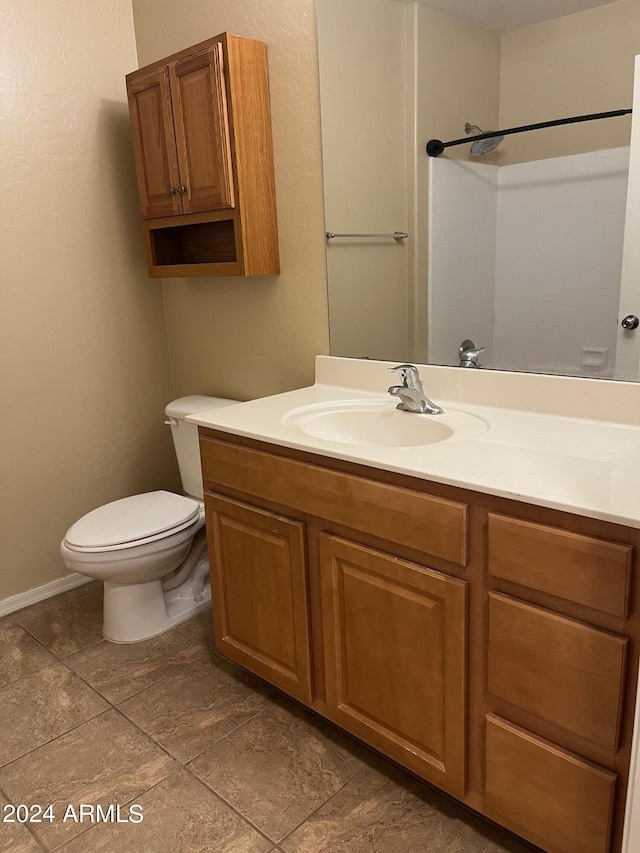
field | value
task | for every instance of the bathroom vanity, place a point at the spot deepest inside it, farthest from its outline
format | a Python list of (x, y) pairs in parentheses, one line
[(484, 639)]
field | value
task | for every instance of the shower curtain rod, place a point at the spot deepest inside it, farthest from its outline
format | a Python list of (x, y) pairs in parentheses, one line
[(435, 147)]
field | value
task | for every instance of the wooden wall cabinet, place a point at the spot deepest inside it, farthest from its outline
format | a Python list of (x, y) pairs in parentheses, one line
[(204, 162), (488, 646)]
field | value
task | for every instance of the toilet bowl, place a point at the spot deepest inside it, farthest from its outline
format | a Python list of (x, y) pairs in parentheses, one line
[(150, 549)]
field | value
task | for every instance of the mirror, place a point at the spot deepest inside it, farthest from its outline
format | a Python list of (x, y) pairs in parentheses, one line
[(518, 250)]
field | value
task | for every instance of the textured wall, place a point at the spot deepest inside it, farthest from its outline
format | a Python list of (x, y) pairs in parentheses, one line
[(85, 369), (250, 337)]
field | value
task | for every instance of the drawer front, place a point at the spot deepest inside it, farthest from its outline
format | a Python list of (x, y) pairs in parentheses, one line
[(548, 795), (428, 524), (259, 592), (559, 669), (578, 568)]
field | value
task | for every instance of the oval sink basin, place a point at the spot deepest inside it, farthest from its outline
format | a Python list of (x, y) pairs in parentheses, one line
[(375, 423)]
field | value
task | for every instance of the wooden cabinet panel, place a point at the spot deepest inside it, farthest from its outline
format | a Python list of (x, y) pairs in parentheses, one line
[(578, 568), (154, 144), (560, 670), (253, 145), (202, 131), (202, 138), (259, 591), (548, 795), (429, 524), (390, 636), (395, 658)]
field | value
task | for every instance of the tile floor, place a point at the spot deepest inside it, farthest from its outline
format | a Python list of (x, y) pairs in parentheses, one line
[(216, 760)]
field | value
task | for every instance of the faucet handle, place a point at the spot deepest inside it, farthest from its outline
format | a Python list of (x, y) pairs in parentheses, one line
[(474, 353), (408, 373)]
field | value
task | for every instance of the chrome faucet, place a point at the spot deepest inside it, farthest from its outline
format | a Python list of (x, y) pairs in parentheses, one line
[(469, 354), (411, 392)]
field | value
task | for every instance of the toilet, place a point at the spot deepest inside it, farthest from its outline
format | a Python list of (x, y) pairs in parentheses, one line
[(150, 549)]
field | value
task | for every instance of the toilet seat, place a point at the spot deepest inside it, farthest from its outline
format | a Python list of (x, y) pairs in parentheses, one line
[(133, 521)]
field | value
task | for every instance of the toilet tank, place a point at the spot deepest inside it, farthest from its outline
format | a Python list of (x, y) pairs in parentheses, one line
[(185, 437)]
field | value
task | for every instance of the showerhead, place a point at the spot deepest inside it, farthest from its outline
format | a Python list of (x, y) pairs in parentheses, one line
[(482, 146)]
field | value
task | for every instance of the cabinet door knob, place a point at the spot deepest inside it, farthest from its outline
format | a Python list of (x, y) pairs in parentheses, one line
[(182, 190), (170, 191)]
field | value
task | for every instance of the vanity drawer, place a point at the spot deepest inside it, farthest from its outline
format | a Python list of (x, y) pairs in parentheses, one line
[(583, 569), (550, 796), (556, 668), (428, 524)]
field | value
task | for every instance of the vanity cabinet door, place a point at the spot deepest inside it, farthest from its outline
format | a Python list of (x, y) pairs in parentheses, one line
[(259, 592), (395, 658), (202, 131), (154, 144)]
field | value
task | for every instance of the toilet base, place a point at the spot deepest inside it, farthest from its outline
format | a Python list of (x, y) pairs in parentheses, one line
[(134, 612)]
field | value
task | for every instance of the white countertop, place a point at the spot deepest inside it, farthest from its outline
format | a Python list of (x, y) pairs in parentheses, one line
[(584, 466)]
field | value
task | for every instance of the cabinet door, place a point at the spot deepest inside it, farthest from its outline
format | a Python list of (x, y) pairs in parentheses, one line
[(395, 658), (259, 591), (154, 144), (202, 131)]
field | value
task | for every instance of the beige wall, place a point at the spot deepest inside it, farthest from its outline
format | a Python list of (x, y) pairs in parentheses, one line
[(576, 65), (362, 48), (458, 78), (458, 81), (85, 370), (251, 337)]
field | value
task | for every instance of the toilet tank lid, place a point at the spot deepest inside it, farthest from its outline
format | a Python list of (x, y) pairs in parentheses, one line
[(184, 406)]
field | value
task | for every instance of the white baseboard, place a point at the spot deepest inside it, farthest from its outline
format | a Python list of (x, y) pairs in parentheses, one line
[(47, 590)]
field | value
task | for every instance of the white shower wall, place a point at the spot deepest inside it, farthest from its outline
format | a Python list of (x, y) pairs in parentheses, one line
[(463, 207), (559, 262), (557, 253)]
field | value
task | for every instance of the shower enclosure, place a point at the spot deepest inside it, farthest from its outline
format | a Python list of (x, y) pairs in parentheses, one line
[(526, 260)]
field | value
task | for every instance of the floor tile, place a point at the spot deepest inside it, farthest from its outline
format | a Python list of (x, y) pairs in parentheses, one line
[(508, 844), (118, 671), (41, 707), (9, 620), (281, 767), (106, 760), (276, 769), (20, 655), (196, 706), (179, 814), (385, 812), (199, 628), (68, 622), (14, 837)]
